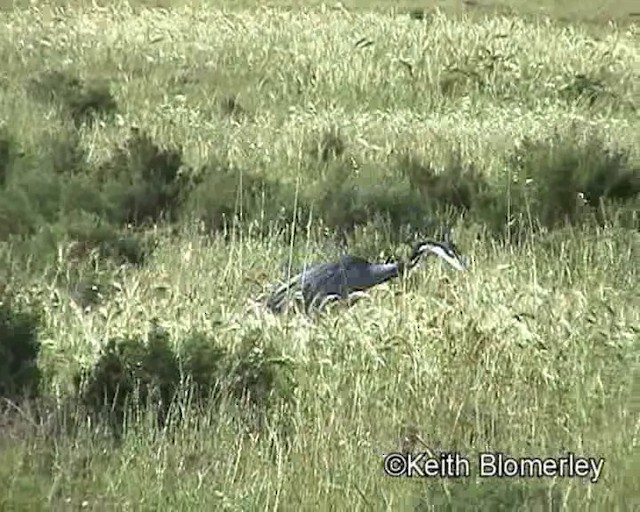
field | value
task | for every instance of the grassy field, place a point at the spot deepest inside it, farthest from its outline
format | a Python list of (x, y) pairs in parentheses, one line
[(533, 352)]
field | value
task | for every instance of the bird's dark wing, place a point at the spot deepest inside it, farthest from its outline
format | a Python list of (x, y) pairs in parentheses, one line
[(310, 281), (314, 278), (339, 278), (348, 261)]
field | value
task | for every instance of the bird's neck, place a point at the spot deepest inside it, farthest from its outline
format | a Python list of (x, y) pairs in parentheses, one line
[(404, 265)]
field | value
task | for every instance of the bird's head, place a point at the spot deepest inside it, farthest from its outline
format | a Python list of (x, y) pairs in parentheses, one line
[(445, 250)]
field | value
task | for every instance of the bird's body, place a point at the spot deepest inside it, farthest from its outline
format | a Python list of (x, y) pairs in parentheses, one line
[(351, 276)]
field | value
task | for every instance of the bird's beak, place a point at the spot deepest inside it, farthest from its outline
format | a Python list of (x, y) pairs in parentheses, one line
[(458, 263), (455, 261)]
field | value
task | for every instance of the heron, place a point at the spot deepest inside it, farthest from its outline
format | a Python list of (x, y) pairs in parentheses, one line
[(351, 276)]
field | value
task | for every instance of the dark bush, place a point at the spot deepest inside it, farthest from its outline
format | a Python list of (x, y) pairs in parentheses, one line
[(226, 195), (144, 183), (17, 215), (7, 151), (231, 107), (263, 383), (583, 88), (568, 172), (346, 199), (614, 180), (458, 186), (130, 375), (94, 100), (410, 194), (89, 233), (256, 375), (82, 101), (203, 363), (64, 153), (58, 153), (34, 186), (559, 181), (43, 190), (259, 374), (19, 349), (81, 198), (329, 147)]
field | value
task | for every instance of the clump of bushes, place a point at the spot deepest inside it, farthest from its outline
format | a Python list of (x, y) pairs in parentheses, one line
[(64, 152), (131, 371), (329, 146), (17, 217), (348, 200), (89, 233), (38, 184), (584, 88), (144, 183), (82, 101), (19, 349), (226, 197), (259, 374), (561, 181), (203, 365), (137, 373), (458, 186), (50, 192), (411, 193)]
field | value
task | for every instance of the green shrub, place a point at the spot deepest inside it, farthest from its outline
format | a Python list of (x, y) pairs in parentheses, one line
[(63, 152), (19, 349), (262, 382), (89, 233), (82, 101), (49, 192), (143, 183), (225, 196), (130, 372), (7, 154), (17, 216), (259, 374), (37, 182), (348, 199), (130, 375), (43, 190), (558, 182), (329, 147), (81, 197), (410, 194), (458, 186), (203, 367)]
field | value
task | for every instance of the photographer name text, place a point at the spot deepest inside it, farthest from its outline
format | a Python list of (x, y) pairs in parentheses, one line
[(492, 464)]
